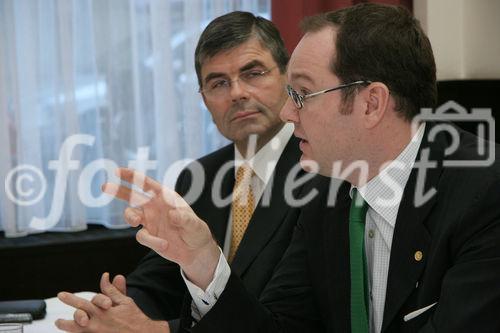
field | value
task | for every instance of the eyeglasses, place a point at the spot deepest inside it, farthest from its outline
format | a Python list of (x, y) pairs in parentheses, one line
[(221, 87), (298, 99)]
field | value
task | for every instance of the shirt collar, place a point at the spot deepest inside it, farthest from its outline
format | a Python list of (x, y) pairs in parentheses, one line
[(384, 192), (265, 160)]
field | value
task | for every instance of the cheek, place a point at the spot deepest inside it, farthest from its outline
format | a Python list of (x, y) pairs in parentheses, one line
[(218, 112), (272, 97), (315, 128), (320, 137)]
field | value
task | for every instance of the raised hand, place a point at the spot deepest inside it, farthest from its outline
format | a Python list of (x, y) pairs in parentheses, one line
[(170, 227)]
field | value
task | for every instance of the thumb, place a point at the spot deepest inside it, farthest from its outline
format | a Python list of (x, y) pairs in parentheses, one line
[(120, 283), (111, 291)]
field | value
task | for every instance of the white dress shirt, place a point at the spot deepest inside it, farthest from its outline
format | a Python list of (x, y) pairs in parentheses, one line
[(383, 194), (263, 164)]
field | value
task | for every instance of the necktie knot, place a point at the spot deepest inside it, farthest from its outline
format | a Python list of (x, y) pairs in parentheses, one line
[(243, 174), (359, 207), (242, 186)]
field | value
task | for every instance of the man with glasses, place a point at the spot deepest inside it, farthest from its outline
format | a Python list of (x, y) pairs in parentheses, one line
[(412, 242), (240, 62)]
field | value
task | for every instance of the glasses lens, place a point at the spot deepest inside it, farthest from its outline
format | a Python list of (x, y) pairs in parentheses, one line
[(253, 77), (248, 79), (294, 96)]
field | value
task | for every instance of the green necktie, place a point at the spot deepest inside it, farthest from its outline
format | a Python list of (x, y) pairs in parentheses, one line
[(357, 215)]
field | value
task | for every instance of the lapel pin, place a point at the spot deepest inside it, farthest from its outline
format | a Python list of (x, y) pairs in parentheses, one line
[(418, 255)]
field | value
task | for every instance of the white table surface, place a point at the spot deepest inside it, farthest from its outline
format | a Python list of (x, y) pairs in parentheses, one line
[(55, 310)]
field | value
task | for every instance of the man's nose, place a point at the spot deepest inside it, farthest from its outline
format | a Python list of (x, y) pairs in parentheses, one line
[(238, 90), (289, 112)]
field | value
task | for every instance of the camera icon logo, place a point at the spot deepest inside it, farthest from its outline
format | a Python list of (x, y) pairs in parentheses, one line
[(451, 111)]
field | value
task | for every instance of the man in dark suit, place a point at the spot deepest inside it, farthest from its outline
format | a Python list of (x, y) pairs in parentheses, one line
[(247, 52), (412, 242), (156, 285), (240, 61)]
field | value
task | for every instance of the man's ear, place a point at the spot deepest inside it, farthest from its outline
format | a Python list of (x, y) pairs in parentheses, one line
[(376, 100)]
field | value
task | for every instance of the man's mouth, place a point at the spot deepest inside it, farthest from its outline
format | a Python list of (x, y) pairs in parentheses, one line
[(244, 114), (302, 144)]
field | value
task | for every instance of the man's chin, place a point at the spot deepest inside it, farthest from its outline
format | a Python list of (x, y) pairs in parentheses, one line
[(248, 130), (308, 164)]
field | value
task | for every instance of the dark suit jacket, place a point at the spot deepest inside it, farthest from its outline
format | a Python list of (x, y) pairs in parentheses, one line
[(156, 284), (457, 231)]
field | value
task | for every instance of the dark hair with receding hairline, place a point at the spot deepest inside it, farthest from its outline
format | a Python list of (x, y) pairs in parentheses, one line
[(382, 43), (233, 29)]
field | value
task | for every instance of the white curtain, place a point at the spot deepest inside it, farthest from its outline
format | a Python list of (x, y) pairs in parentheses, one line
[(114, 81)]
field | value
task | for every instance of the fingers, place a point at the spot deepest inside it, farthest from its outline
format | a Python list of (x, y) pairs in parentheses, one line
[(81, 318), (185, 219), (111, 291), (147, 184), (124, 193), (77, 302), (120, 283), (134, 216), (173, 199), (102, 301), (68, 326), (156, 244), (140, 180)]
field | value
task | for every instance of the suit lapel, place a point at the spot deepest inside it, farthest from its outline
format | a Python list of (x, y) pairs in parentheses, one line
[(267, 217), (411, 234), (223, 212), (205, 207), (336, 246)]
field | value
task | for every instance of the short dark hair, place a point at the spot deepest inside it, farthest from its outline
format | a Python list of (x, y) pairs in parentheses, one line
[(235, 28), (386, 44)]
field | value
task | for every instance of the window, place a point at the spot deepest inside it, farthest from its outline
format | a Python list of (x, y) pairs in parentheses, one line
[(113, 82)]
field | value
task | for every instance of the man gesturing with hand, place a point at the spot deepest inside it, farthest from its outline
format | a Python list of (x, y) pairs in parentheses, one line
[(170, 227), (240, 62)]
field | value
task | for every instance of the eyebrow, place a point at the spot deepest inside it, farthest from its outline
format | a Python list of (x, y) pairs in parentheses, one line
[(213, 75), (250, 65)]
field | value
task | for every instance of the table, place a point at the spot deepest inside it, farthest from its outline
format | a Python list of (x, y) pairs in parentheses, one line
[(55, 310)]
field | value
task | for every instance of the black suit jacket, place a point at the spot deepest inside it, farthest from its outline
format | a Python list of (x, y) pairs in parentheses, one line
[(156, 285), (457, 230)]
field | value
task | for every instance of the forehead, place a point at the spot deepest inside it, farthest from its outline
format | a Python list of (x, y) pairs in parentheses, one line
[(312, 57), (232, 60)]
